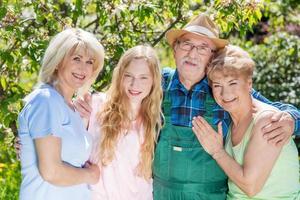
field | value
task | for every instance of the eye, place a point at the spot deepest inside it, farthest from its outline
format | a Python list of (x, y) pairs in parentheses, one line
[(216, 85), (187, 44), (76, 58), (202, 47), (232, 83), (90, 62), (144, 77), (127, 75)]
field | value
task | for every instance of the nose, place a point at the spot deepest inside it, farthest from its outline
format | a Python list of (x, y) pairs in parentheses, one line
[(133, 81), (226, 92), (193, 52)]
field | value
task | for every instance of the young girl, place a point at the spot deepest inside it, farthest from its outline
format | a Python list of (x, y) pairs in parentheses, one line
[(124, 124), (55, 143)]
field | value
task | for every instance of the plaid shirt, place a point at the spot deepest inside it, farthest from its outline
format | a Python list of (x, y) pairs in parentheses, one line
[(187, 104)]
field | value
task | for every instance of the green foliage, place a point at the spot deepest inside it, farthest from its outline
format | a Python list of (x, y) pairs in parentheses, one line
[(278, 67), (238, 15)]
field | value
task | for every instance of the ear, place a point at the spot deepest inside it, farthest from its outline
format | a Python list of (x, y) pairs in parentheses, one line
[(175, 45), (249, 81)]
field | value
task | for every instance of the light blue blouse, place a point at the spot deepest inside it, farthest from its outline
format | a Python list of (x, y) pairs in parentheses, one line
[(46, 113)]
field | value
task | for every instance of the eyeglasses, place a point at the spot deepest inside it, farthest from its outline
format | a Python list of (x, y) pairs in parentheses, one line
[(201, 49)]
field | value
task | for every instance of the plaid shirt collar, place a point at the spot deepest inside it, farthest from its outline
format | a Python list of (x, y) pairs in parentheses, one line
[(200, 86)]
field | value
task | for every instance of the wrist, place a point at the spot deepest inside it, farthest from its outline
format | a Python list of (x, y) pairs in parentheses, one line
[(218, 154)]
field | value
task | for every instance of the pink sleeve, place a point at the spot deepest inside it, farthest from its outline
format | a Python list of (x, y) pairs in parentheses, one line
[(94, 128)]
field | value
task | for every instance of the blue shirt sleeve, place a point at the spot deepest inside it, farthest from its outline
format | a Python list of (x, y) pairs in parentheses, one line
[(43, 117), (292, 110)]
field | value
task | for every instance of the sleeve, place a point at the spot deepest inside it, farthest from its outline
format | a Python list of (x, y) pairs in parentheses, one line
[(43, 117), (292, 110)]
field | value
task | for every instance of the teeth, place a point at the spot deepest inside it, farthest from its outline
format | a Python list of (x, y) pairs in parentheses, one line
[(79, 76), (228, 100), (134, 92), (190, 63)]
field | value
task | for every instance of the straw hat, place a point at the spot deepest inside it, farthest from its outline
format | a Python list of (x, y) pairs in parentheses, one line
[(202, 26)]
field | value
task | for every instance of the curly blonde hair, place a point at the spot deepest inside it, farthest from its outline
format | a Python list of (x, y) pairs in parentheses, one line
[(114, 115)]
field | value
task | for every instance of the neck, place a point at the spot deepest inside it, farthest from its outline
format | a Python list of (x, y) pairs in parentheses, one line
[(135, 109), (189, 83), (244, 114), (66, 92)]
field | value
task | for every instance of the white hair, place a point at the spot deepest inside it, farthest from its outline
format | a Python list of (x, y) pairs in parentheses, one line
[(66, 42)]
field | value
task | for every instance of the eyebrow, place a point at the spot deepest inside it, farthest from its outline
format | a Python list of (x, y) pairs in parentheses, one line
[(202, 43), (93, 59), (138, 75)]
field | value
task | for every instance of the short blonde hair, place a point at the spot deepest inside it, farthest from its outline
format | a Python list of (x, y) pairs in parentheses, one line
[(68, 42), (231, 61)]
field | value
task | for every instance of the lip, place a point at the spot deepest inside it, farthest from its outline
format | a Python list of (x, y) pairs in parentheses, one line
[(78, 76), (190, 63), (229, 101), (134, 92)]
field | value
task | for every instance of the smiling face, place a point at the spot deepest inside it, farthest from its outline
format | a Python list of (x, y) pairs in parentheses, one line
[(137, 81), (76, 69), (191, 64), (231, 92)]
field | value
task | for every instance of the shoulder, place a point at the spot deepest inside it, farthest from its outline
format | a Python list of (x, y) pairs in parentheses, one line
[(45, 96), (166, 73), (263, 116)]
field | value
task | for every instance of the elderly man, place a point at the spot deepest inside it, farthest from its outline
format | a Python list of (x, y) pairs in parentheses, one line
[(182, 169)]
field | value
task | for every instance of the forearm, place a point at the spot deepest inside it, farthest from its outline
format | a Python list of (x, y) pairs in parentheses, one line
[(292, 110), (237, 173), (63, 174)]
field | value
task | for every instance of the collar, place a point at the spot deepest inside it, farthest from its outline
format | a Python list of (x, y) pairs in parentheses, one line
[(202, 85)]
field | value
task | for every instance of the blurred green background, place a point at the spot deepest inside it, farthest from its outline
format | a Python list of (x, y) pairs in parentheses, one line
[(269, 30)]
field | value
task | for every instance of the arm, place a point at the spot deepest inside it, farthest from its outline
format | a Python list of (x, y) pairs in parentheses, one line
[(55, 171), (283, 124), (259, 158)]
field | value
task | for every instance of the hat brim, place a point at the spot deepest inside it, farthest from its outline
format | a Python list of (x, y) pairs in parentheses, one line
[(173, 34)]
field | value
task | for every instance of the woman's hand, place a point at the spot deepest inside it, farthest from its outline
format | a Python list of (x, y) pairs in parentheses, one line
[(211, 141), (93, 172)]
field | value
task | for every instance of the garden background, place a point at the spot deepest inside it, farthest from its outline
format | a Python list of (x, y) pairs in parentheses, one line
[(269, 30)]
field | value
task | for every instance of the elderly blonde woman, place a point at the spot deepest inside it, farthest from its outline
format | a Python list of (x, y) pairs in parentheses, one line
[(55, 143), (256, 168)]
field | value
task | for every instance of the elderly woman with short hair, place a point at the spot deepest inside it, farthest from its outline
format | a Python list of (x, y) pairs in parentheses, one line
[(256, 168)]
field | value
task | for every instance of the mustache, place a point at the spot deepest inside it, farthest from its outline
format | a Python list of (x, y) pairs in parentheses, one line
[(191, 60)]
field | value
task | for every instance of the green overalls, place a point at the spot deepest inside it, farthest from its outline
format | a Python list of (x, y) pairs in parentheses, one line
[(182, 169)]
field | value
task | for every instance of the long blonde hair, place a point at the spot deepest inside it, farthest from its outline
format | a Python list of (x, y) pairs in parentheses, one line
[(114, 115), (67, 42)]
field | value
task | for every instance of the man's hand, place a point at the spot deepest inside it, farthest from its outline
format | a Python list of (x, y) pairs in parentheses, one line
[(280, 129), (84, 105), (17, 146)]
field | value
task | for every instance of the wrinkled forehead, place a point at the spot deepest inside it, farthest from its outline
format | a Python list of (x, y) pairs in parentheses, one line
[(197, 40)]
